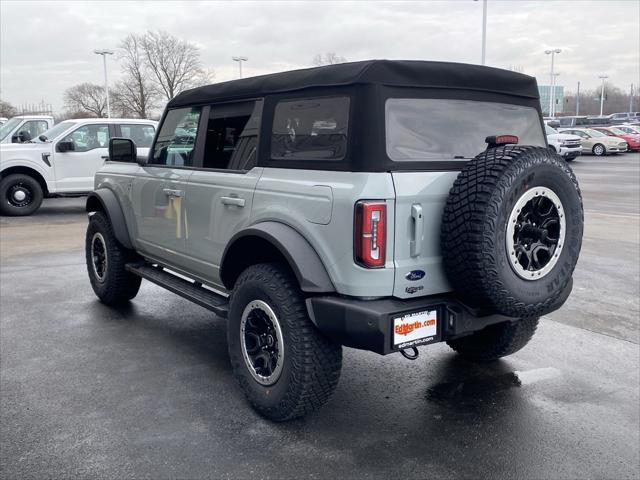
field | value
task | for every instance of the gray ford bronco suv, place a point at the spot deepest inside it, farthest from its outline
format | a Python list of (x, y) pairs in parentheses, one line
[(379, 205)]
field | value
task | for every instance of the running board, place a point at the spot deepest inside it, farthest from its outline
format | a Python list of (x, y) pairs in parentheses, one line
[(190, 290)]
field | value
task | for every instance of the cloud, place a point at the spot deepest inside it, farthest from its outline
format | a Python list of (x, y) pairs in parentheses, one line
[(46, 47)]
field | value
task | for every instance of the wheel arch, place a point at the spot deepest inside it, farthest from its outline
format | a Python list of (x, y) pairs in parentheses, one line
[(27, 171), (274, 241), (104, 200)]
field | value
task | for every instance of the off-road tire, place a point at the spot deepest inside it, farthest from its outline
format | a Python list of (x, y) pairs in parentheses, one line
[(311, 365), (474, 230), (599, 150), (28, 184), (118, 285), (495, 341)]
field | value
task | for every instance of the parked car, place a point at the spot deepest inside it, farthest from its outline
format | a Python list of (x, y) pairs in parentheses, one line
[(597, 122), (24, 128), (339, 206), (631, 129), (596, 142), (623, 117), (62, 160), (632, 139), (565, 145), (571, 121)]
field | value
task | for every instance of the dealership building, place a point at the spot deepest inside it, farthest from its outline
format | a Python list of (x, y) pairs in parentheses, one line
[(545, 95)]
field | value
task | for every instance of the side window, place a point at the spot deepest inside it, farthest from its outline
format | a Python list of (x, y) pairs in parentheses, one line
[(141, 134), (310, 129), (232, 136), (34, 128), (177, 138), (89, 137)]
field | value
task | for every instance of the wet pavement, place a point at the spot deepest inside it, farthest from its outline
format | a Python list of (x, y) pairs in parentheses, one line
[(147, 391)]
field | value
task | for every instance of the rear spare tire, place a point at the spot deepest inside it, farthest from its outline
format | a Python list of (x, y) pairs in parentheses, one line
[(512, 230)]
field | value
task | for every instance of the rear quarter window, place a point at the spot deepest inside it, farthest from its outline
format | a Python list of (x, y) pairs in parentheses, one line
[(310, 129)]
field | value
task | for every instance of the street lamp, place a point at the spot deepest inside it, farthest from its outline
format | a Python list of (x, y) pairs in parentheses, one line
[(551, 52), (240, 60), (603, 78), (484, 30), (553, 94), (104, 54)]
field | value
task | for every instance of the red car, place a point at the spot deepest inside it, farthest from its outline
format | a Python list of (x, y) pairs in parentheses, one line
[(633, 141)]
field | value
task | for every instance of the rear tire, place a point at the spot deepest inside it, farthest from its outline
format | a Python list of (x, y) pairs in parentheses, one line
[(495, 341), (20, 195), (106, 260), (284, 365), (599, 150)]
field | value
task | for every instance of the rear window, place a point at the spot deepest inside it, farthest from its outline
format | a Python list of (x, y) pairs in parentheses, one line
[(310, 129), (421, 129), (141, 134)]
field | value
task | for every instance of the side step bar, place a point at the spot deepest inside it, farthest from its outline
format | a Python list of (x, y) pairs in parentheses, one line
[(190, 290)]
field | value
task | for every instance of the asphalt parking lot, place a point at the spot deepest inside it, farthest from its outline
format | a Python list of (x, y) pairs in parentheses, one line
[(146, 391)]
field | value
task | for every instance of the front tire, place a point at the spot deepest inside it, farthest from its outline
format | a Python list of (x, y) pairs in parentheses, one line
[(20, 195), (284, 365), (599, 150), (106, 260), (495, 341)]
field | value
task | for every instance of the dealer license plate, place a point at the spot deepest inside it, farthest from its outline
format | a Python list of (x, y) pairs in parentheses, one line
[(415, 328)]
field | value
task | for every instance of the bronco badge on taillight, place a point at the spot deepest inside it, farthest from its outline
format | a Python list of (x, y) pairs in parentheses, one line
[(370, 233)]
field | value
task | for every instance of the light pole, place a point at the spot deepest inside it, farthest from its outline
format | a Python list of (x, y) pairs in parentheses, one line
[(484, 30), (603, 78), (240, 60), (551, 52), (104, 54), (553, 94), (631, 99), (578, 101)]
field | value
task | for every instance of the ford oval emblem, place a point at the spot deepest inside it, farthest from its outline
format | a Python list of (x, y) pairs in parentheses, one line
[(415, 275)]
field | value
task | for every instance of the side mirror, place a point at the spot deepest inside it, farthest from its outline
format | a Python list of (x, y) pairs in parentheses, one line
[(65, 146), (122, 150)]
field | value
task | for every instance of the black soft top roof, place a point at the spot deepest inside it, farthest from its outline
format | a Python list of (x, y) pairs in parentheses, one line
[(399, 73)]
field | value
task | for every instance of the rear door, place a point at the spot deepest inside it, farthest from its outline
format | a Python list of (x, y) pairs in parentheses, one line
[(443, 134), (220, 193)]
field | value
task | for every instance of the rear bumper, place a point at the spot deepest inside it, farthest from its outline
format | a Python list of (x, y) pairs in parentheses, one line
[(368, 324)]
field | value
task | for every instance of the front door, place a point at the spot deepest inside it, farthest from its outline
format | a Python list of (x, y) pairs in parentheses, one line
[(159, 190), (75, 168)]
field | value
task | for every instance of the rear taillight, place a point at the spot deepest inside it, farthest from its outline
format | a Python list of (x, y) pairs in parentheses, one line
[(370, 233)]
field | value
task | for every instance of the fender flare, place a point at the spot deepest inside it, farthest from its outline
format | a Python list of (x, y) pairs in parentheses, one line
[(111, 206), (305, 262)]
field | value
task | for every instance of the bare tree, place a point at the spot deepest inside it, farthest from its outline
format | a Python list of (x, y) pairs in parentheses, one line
[(329, 58), (7, 110), (86, 97), (136, 94), (174, 63)]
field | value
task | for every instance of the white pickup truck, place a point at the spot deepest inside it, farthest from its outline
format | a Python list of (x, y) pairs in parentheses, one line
[(23, 128), (63, 160)]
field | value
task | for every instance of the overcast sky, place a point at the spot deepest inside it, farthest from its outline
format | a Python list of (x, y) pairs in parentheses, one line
[(45, 47)]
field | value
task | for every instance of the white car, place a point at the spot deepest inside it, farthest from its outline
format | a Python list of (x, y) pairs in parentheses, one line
[(23, 128), (630, 129), (566, 145), (63, 160)]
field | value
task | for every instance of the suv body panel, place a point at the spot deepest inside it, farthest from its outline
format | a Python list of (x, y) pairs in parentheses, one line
[(420, 200)]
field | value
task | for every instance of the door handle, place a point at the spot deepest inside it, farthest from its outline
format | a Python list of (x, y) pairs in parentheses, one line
[(173, 193), (415, 245), (238, 202), (105, 157)]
